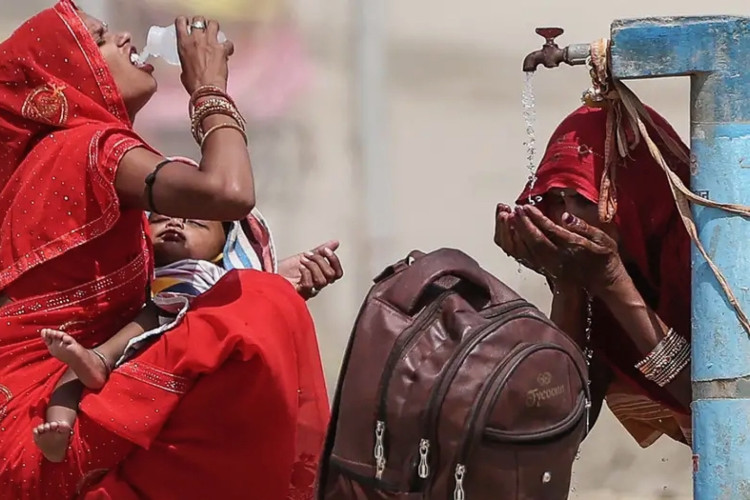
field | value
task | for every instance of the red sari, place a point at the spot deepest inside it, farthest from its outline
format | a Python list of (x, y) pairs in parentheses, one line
[(229, 404), (658, 251)]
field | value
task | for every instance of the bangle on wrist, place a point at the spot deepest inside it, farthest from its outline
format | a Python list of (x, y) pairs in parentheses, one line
[(220, 126), (665, 361)]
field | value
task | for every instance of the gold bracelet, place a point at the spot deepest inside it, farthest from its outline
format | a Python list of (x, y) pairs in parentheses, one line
[(216, 105), (196, 127), (221, 126), (217, 102), (211, 107), (208, 91)]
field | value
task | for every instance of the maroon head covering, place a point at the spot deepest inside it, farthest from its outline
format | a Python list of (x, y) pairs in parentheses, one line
[(654, 243)]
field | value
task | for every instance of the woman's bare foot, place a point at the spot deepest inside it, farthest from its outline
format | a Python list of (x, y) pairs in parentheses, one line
[(53, 438), (90, 369)]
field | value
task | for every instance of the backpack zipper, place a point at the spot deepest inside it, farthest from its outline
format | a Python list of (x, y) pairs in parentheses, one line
[(423, 469), (582, 406), (514, 357), (330, 439), (435, 401), (403, 343), (492, 389), (517, 353), (458, 477), (379, 451)]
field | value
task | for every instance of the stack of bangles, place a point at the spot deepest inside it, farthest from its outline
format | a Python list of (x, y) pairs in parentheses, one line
[(666, 360), (209, 100)]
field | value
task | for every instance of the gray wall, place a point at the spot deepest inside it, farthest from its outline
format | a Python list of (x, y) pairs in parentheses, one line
[(455, 134)]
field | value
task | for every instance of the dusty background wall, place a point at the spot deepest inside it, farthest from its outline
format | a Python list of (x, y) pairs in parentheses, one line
[(454, 146)]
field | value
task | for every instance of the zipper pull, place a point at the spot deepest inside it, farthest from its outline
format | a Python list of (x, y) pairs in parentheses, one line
[(379, 449), (424, 466), (458, 492)]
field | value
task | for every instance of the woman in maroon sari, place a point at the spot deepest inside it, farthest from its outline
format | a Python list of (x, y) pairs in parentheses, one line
[(623, 283), (229, 404)]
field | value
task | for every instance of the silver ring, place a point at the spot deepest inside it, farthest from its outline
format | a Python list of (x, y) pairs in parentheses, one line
[(198, 25), (314, 292)]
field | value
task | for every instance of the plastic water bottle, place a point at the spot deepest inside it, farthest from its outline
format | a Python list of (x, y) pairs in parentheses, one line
[(162, 42)]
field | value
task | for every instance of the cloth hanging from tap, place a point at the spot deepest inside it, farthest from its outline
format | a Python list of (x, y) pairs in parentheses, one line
[(628, 122)]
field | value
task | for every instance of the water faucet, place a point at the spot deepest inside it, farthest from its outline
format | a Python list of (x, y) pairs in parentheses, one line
[(551, 55)]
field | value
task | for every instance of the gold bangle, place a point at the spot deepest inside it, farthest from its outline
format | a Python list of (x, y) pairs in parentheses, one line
[(197, 124), (217, 102), (208, 91), (210, 107), (221, 126)]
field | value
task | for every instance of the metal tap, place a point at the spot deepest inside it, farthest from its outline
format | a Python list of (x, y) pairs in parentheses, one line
[(551, 55)]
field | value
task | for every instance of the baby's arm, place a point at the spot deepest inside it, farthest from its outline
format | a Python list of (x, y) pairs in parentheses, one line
[(114, 347)]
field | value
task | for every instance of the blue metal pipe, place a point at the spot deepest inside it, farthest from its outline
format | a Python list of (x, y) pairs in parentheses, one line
[(715, 53)]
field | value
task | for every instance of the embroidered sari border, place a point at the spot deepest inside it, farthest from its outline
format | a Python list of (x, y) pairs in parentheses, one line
[(155, 377), (53, 301), (77, 237)]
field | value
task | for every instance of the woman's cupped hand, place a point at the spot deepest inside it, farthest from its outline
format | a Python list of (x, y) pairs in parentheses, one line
[(574, 253)]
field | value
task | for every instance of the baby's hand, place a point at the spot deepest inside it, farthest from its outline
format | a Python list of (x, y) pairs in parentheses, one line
[(314, 270)]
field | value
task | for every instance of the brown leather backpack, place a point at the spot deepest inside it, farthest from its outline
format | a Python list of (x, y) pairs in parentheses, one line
[(453, 388)]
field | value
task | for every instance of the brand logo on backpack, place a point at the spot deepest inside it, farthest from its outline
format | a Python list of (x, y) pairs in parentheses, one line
[(535, 397)]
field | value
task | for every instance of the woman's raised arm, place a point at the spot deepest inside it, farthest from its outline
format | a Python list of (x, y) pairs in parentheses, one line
[(223, 187)]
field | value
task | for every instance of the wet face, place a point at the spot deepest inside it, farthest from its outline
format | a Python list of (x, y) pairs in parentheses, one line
[(134, 80), (558, 201), (178, 239)]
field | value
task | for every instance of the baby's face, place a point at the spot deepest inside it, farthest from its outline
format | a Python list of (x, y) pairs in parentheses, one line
[(177, 239)]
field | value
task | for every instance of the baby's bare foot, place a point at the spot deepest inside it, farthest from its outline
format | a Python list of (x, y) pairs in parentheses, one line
[(53, 438), (90, 369)]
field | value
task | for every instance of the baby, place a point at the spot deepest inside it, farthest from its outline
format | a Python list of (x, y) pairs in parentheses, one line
[(186, 252)]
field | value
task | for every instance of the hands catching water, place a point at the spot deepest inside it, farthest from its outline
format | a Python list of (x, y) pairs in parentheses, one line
[(572, 253)]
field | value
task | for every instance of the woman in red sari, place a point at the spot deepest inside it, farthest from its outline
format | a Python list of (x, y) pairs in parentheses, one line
[(634, 269), (231, 403)]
